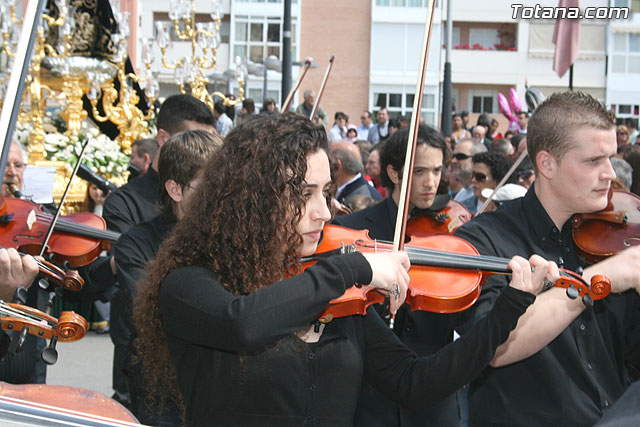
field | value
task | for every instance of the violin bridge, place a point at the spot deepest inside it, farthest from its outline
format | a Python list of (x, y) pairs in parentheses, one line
[(31, 219)]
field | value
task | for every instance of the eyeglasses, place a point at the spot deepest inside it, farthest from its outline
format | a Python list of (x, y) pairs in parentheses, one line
[(16, 165), (479, 177), (460, 156), (524, 175)]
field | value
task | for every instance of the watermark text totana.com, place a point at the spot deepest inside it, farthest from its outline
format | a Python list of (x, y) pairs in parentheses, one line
[(520, 11)]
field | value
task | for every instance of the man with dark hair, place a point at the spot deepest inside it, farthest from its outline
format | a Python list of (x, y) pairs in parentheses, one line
[(223, 122), (632, 124), (566, 361), (523, 121), (180, 165), (464, 115), (367, 123), (248, 109), (143, 151), (135, 202), (348, 173), (422, 331)]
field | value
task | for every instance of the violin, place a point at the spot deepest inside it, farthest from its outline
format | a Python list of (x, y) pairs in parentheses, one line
[(602, 234), (69, 327), (77, 239), (62, 405), (439, 219), (69, 280), (446, 273)]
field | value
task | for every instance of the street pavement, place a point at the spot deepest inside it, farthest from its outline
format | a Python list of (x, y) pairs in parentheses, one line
[(85, 363)]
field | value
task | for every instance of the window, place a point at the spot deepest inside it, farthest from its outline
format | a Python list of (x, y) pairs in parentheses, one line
[(626, 110), (401, 104), (485, 37), (483, 101), (626, 53), (258, 37)]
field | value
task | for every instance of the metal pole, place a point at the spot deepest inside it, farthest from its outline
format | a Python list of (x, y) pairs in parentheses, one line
[(264, 87), (18, 77), (571, 78), (446, 125), (286, 51)]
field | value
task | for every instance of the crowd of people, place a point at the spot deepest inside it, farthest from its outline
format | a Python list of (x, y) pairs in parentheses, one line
[(214, 320)]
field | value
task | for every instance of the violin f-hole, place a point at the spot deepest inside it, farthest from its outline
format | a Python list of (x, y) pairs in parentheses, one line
[(627, 240)]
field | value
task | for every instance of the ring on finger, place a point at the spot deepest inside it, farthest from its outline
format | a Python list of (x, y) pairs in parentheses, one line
[(395, 291)]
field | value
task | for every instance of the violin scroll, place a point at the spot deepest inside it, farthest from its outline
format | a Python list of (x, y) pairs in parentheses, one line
[(576, 286)]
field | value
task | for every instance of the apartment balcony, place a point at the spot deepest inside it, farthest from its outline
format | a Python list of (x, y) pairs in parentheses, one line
[(484, 66)]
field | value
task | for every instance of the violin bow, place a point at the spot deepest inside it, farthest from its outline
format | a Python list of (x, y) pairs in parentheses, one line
[(287, 102), (312, 117), (62, 200), (412, 141), (18, 77), (503, 181)]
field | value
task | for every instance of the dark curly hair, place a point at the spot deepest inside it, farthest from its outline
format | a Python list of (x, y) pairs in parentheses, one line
[(241, 224), (498, 163)]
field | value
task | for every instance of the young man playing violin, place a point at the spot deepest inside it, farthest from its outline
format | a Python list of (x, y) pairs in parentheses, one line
[(179, 170), (422, 331), (226, 317), (565, 363)]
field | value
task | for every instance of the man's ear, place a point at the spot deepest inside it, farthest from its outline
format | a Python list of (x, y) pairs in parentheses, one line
[(393, 175), (174, 190), (162, 137), (147, 159), (546, 164)]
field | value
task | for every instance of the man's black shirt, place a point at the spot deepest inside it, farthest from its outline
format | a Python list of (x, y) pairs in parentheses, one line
[(133, 203), (422, 331), (575, 378)]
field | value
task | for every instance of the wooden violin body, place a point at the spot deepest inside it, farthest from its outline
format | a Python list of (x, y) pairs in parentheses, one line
[(443, 221), (77, 240), (446, 273), (61, 405), (610, 231)]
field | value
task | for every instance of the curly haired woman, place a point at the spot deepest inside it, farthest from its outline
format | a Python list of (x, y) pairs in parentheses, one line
[(225, 316)]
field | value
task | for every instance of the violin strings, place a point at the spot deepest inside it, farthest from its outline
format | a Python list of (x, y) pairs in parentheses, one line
[(80, 229), (6, 309)]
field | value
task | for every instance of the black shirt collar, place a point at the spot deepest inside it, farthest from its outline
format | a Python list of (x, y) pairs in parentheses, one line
[(540, 221)]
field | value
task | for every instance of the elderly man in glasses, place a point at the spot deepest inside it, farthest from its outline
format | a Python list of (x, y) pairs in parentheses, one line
[(488, 169), (461, 168), (14, 171)]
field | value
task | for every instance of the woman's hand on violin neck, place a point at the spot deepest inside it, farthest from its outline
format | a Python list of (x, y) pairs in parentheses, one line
[(15, 271), (390, 276), (529, 276), (622, 269)]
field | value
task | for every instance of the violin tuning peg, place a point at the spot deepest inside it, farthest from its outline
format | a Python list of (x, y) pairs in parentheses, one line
[(49, 305), (587, 300), (49, 353), (44, 284), (20, 295), (560, 262), (572, 292), (21, 338)]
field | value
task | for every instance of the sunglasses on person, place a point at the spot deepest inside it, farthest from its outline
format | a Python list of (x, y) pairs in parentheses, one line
[(524, 175), (479, 177), (460, 156)]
